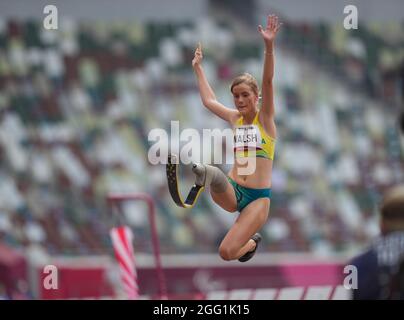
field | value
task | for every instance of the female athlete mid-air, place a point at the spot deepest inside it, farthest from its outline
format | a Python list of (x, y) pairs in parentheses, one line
[(254, 147)]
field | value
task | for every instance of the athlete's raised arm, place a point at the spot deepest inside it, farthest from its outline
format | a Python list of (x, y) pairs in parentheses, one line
[(268, 34), (207, 95)]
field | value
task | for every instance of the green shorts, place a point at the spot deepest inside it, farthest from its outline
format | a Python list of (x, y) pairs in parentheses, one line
[(245, 195)]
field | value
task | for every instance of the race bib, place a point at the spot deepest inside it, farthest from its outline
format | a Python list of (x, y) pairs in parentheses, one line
[(247, 136)]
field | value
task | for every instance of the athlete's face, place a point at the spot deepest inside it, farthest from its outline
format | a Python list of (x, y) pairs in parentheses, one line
[(245, 99)]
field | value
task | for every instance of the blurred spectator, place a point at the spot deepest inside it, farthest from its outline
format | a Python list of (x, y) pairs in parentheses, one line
[(3, 293), (397, 282), (21, 291), (379, 267)]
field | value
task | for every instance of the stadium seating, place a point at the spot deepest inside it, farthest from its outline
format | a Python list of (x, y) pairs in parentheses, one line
[(76, 110)]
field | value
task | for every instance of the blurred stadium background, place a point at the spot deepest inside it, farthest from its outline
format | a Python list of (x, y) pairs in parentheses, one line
[(77, 104)]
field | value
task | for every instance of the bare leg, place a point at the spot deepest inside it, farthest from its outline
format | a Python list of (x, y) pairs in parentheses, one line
[(227, 200), (237, 241)]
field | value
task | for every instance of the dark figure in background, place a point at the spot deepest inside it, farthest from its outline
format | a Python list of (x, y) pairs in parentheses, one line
[(381, 267)]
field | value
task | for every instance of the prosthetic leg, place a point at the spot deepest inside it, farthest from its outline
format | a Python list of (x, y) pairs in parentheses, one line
[(172, 179), (206, 175)]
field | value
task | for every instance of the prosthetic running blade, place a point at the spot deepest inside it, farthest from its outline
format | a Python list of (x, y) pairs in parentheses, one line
[(172, 169)]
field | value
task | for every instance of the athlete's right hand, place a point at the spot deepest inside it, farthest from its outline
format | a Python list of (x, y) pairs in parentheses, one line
[(196, 61)]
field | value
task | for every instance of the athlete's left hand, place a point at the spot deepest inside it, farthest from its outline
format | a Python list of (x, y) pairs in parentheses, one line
[(273, 25)]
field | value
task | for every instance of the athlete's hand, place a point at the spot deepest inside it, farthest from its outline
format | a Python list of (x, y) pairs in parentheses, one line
[(273, 25), (197, 60)]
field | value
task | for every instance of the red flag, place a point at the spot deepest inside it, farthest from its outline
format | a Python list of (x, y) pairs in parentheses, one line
[(122, 241)]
